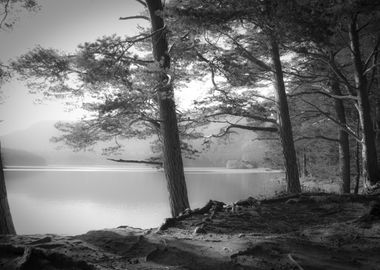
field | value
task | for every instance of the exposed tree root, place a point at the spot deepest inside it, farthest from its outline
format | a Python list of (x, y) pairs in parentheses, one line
[(211, 207), (29, 258), (295, 262)]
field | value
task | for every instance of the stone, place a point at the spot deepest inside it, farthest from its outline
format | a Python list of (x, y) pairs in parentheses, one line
[(199, 230)]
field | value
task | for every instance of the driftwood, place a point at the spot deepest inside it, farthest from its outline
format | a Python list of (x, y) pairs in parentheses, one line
[(137, 161)]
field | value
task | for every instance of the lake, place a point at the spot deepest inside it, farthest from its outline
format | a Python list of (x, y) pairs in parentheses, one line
[(76, 200)]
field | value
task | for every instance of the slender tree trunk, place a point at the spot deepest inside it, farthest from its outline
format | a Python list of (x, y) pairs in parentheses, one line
[(172, 159), (344, 144), (305, 172), (377, 125), (6, 223), (369, 156), (376, 70), (285, 126), (358, 171)]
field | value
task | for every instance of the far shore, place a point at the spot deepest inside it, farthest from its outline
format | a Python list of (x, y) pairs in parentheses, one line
[(136, 169)]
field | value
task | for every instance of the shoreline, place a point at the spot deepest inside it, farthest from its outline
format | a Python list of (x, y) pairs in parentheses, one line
[(137, 169), (311, 230)]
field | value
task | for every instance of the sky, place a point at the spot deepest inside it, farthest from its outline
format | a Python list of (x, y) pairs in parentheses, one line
[(59, 24)]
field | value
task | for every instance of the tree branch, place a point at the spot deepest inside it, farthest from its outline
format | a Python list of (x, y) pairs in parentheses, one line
[(316, 137), (252, 58), (142, 3), (135, 17), (345, 127), (323, 93), (247, 115), (372, 54), (5, 13), (137, 161), (137, 38), (266, 129)]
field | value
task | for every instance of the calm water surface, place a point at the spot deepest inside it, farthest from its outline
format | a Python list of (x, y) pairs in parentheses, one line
[(74, 201)]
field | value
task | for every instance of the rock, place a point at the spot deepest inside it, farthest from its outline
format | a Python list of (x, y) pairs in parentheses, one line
[(250, 201), (169, 222), (44, 240), (206, 219), (254, 213), (292, 201), (199, 230), (133, 261), (375, 209)]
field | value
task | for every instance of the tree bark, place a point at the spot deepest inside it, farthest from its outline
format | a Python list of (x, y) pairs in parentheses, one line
[(172, 159), (285, 126), (357, 165), (6, 223), (369, 156), (377, 122), (305, 172), (344, 144)]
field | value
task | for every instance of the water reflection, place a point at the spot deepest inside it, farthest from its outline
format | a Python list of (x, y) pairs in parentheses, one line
[(73, 202)]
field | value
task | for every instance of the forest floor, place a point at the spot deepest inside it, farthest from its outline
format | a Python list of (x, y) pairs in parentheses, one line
[(308, 231)]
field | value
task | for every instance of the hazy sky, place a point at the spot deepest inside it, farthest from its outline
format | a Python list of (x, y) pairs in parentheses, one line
[(60, 24)]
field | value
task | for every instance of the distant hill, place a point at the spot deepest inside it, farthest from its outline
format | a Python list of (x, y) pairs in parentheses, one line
[(16, 157), (32, 147)]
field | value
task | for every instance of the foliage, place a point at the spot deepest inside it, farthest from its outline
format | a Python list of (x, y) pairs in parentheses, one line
[(116, 75), (10, 8)]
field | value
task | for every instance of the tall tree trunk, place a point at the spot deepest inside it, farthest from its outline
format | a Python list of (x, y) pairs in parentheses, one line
[(344, 144), (172, 159), (377, 123), (369, 156), (305, 172), (6, 223), (285, 126), (376, 71), (357, 163)]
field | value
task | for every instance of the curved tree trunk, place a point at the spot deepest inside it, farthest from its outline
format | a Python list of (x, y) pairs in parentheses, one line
[(369, 156), (6, 223), (344, 144), (285, 126), (172, 159)]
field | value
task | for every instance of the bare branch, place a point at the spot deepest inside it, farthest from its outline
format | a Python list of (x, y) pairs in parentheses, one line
[(316, 137), (370, 68), (136, 161), (141, 37), (252, 58), (142, 3), (135, 17), (345, 127), (323, 93), (373, 53), (266, 129), (5, 13), (247, 115)]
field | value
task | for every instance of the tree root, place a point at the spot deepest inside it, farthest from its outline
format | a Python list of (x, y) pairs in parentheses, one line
[(295, 262), (211, 207), (37, 258), (372, 215)]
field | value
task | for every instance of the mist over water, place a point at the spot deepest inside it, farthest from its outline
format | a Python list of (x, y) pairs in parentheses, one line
[(67, 201)]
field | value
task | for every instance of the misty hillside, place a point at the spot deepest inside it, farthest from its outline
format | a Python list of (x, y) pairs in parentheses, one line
[(32, 146), (16, 157)]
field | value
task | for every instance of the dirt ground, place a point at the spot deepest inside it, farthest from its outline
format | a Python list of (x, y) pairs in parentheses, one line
[(308, 231)]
